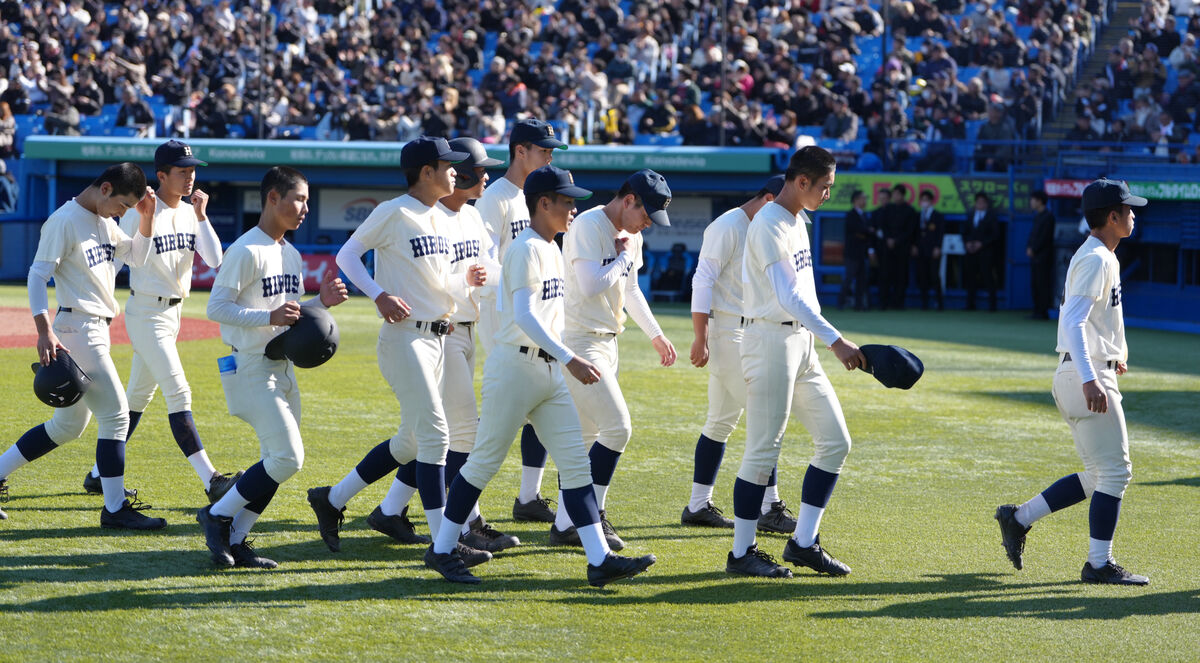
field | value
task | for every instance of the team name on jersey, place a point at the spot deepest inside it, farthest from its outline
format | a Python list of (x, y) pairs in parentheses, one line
[(1114, 296), (98, 254), (464, 250), (606, 261), (552, 288), (280, 284), (428, 245), (516, 227), (803, 258), (174, 242)]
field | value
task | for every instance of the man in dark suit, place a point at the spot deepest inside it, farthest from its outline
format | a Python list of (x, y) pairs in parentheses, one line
[(859, 232), (981, 239), (928, 251), (898, 221), (1040, 250)]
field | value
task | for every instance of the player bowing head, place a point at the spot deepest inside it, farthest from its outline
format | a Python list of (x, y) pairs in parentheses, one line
[(284, 194)]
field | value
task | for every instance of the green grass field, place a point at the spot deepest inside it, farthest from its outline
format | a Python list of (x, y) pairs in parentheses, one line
[(912, 515)]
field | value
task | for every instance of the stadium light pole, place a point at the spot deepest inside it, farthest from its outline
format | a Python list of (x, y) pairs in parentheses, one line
[(724, 64), (264, 8)]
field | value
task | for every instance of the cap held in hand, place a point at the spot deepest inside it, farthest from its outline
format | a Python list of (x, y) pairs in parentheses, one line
[(892, 365)]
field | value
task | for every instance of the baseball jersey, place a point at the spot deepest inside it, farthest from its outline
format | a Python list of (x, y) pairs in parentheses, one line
[(591, 237), (531, 262), (502, 208), (724, 243), (412, 255), (265, 274), (168, 271), (83, 248), (776, 234), (1095, 273), (469, 241)]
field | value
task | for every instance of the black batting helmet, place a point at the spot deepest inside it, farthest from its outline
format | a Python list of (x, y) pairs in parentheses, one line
[(309, 342), (466, 177), (61, 383)]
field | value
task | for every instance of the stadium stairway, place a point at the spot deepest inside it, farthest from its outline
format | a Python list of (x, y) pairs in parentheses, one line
[(1054, 133)]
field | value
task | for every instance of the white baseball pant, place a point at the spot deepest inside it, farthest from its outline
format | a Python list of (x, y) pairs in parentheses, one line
[(603, 413), (489, 321), (458, 388), (263, 393), (86, 338), (153, 327), (1101, 439), (411, 361), (726, 385)]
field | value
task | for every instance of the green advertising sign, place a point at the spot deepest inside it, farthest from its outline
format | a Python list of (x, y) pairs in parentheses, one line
[(951, 194), (387, 155)]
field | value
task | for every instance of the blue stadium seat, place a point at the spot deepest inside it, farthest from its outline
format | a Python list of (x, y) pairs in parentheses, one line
[(965, 74), (810, 130), (123, 132), (95, 125), (476, 76)]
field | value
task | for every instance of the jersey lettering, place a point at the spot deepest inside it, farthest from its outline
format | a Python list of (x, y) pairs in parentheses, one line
[(99, 253), (280, 284), (1115, 296), (516, 226), (464, 250), (426, 245), (552, 288), (607, 261), (174, 242), (802, 259)]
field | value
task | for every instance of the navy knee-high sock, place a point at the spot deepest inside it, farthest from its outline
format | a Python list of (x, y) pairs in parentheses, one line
[(454, 462), (407, 473), (533, 454), (817, 487), (1065, 492), (377, 464), (134, 418), (255, 483), (580, 504), (110, 458), (461, 497), (747, 499), (259, 504), (1102, 516), (708, 457), (35, 443), (774, 478), (604, 463), (431, 485), (183, 427)]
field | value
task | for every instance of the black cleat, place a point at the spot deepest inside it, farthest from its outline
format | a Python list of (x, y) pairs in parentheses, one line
[(93, 486), (329, 519), (220, 484), (485, 537), (471, 556), (216, 535), (610, 534), (814, 557), (1012, 534), (708, 516), (1111, 574), (756, 563), (537, 511), (567, 537), (616, 567), (130, 517), (450, 565), (399, 527), (778, 520), (245, 556)]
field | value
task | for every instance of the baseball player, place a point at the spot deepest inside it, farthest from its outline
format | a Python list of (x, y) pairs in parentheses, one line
[(717, 326), (521, 383), (1091, 344), (783, 372), (79, 245), (531, 145), (255, 298), (414, 295), (603, 252), (154, 312)]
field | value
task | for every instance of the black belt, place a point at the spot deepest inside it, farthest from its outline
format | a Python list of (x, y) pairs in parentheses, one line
[(1110, 364), (437, 327), (467, 325), (171, 301), (789, 323), (541, 354), (67, 309)]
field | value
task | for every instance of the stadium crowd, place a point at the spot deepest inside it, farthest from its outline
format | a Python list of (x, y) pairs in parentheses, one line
[(648, 71)]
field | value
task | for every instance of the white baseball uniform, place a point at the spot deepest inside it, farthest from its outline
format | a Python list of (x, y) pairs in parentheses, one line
[(502, 208), (470, 245), (720, 270), (601, 286), (779, 358), (520, 381), (79, 249), (157, 290), (412, 262), (1091, 329), (258, 275)]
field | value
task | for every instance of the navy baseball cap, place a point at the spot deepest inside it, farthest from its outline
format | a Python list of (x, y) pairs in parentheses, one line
[(892, 365), (655, 194), (775, 185), (1107, 193), (551, 179), (175, 153), (425, 150), (537, 132)]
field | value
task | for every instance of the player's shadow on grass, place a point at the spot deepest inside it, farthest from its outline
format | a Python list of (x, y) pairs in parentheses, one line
[(1193, 482), (1165, 408)]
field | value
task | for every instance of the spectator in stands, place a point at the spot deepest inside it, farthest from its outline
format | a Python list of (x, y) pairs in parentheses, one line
[(62, 119), (1118, 73), (781, 131), (660, 118), (621, 67), (939, 62), (841, 124), (8, 190), (981, 239), (998, 129), (88, 98), (1184, 55), (1186, 97), (1117, 134), (974, 101), (996, 77), (135, 113), (1151, 74), (8, 132), (1011, 50)]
